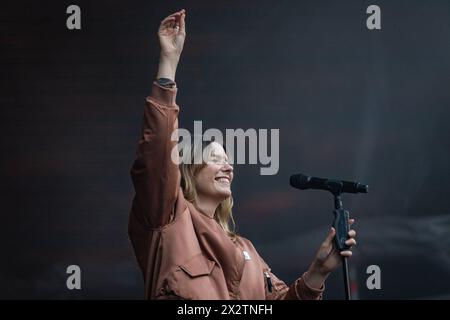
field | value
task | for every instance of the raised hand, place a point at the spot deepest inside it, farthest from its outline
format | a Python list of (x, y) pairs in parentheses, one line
[(171, 34)]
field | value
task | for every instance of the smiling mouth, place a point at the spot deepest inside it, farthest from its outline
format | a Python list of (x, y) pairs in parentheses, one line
[(223, 180)]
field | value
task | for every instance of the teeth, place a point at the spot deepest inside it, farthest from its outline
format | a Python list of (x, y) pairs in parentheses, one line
[(224, 180)]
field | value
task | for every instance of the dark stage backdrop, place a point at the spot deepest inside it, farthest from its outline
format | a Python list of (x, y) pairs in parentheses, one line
[(350, 103)]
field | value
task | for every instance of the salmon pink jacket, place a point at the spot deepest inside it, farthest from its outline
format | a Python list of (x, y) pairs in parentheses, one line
[(182, 252)]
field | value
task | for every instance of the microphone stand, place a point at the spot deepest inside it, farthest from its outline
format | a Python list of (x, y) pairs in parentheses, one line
[(340, 224), (341, 216)]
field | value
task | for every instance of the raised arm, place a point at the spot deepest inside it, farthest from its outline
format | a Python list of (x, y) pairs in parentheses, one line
[(155, 176)]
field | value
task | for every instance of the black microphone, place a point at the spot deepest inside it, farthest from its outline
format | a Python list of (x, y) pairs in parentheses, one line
[(303, 182)]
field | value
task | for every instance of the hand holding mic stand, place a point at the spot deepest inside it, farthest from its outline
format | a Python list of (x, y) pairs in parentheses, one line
[(341, 216)]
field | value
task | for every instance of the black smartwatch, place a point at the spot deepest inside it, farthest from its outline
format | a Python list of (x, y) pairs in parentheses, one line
[(166, 83)]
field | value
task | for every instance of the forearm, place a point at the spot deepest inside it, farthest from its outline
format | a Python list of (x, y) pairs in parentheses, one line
[(167, 68)]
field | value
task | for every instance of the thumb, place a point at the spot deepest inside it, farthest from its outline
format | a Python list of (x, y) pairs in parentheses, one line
[(330, 236)]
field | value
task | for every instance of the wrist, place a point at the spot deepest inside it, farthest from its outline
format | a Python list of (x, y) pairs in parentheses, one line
[(167, 68), (315, 277), (169, 59), (314, 280)]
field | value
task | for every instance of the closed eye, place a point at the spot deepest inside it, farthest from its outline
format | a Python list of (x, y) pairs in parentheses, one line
[(219, 161)]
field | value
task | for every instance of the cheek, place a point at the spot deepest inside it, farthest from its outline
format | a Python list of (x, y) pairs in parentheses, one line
[(203, 183), (205, 178)]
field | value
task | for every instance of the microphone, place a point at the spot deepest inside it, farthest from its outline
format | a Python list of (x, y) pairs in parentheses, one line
[(303, 182), (341, 216)]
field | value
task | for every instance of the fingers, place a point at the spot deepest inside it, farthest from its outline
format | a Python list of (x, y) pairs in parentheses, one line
[(349, 242), (182, 23), (175, 17), (352, 233), (168, 19), (175, 21), (176, 14), (346, 253), (166, 25)]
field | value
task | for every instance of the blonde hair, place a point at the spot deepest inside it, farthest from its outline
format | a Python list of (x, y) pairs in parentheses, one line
[(223, 214)]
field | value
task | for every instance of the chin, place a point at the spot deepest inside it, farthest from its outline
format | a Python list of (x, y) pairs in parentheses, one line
[(222, 191), (224, 194)]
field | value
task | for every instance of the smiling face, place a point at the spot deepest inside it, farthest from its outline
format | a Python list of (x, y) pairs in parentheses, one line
[(214, 179)]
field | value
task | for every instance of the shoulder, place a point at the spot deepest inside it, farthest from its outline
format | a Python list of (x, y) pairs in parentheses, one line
[(246, 243), (251, 250)]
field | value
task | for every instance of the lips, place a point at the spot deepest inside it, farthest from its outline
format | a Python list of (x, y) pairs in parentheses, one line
[(223, 179)]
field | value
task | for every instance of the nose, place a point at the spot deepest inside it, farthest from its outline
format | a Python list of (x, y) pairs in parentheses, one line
[(227, 167)]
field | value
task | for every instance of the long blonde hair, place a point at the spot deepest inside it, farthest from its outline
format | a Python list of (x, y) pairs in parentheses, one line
[(223, 214)]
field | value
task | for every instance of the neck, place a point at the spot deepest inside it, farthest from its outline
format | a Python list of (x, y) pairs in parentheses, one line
[(207, 205)]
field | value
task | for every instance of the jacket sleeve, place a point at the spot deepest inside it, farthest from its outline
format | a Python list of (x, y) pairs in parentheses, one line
[(155, 176), (299, 290)]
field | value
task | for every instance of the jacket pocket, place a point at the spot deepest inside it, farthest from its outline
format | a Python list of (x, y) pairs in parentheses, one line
[(194, 279), (197, 266)]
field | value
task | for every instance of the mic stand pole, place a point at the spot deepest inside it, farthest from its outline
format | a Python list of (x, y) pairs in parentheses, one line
[(341, 226)]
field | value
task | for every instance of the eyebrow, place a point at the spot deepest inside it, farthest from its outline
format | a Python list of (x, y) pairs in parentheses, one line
[(215, 155)]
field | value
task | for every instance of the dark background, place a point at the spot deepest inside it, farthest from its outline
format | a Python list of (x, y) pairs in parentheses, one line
[(350, 103)]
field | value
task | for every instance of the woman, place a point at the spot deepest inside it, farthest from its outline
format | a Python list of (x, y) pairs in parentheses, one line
[(180, 218)]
